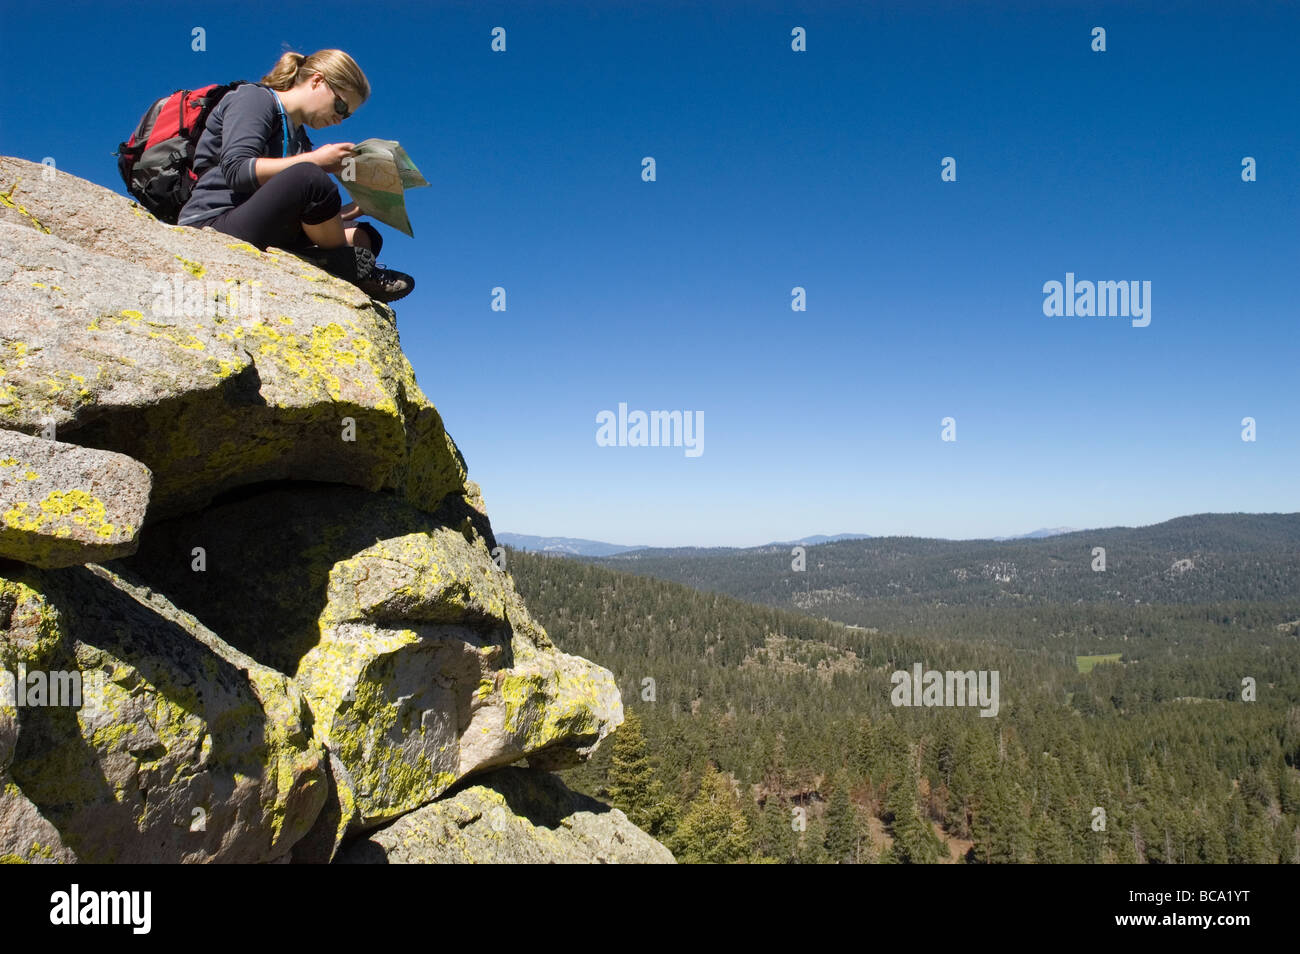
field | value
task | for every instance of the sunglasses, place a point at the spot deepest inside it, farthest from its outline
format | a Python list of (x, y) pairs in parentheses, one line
[(340, 104)]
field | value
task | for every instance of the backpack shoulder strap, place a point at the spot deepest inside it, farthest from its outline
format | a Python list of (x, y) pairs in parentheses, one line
[(281, 118)]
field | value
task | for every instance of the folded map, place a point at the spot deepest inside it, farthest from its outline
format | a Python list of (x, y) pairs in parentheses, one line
[(376, 176)]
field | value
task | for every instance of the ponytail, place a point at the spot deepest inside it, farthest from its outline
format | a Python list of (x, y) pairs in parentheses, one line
[(339, 70), (285, 72)]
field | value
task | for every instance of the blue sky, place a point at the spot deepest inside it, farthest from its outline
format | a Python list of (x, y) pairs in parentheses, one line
[(778, 169)]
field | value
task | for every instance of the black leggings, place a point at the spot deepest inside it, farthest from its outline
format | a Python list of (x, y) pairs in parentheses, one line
[(273, 214)]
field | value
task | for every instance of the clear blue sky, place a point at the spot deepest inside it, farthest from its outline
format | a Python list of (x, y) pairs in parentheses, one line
[(779, 169)]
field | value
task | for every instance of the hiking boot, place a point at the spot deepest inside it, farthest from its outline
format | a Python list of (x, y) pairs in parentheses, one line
[(386, 284), (348, 262), (356, 264)]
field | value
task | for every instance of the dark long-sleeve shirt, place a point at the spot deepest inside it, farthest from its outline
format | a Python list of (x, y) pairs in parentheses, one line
[(243, 128)]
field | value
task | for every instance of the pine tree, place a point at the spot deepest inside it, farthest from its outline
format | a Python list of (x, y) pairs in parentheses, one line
[(1000, 830), (1288, 789), (1213, 847), (753, 823), (1051, 845), (714, 830), (914, 841), (841, 823), (778, 837), (774, 765), (866, 750), (632, 785), (1247, 841), (812, 844)]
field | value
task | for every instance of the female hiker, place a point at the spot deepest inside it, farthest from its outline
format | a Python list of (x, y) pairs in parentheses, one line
[(261, 180)]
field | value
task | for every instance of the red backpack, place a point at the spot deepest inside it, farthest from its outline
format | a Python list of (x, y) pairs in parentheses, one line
[(157, 161)]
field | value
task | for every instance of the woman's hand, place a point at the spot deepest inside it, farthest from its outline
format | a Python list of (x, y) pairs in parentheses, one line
[(331, 155), (349, 212)]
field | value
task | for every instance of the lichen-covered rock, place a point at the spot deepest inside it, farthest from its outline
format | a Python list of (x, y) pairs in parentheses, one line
[(61, 505), (312, 637), (515, 816), (418, 657), (25, 835), (212, 363), (180, 749)]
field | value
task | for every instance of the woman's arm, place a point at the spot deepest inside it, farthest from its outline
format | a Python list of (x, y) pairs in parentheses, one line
[(265, 168), (329, 157), (246, 128)]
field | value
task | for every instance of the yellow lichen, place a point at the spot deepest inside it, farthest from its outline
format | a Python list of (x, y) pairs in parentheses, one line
[(194, 268), (77, 506), (6, 198)]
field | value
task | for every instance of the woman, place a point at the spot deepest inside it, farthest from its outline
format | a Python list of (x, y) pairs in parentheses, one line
[(261, 180)]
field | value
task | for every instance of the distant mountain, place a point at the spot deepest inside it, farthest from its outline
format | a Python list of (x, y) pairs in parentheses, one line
[(573, 546), (820, 538), (564, 546), (1039, 534), (1203, 558)]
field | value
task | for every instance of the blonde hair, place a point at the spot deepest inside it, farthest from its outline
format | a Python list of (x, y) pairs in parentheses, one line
[(340, 71)]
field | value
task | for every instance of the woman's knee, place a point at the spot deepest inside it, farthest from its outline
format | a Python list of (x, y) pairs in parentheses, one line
[(308, 173)]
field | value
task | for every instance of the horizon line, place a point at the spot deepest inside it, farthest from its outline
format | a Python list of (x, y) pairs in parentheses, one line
[(886, 536)]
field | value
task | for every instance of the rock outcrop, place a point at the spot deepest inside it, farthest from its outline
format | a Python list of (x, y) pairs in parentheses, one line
[(249, 609), (180, 748), (65, 505), (511, 815)]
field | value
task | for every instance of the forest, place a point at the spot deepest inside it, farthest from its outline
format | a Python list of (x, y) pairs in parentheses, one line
[(1152, 732)]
